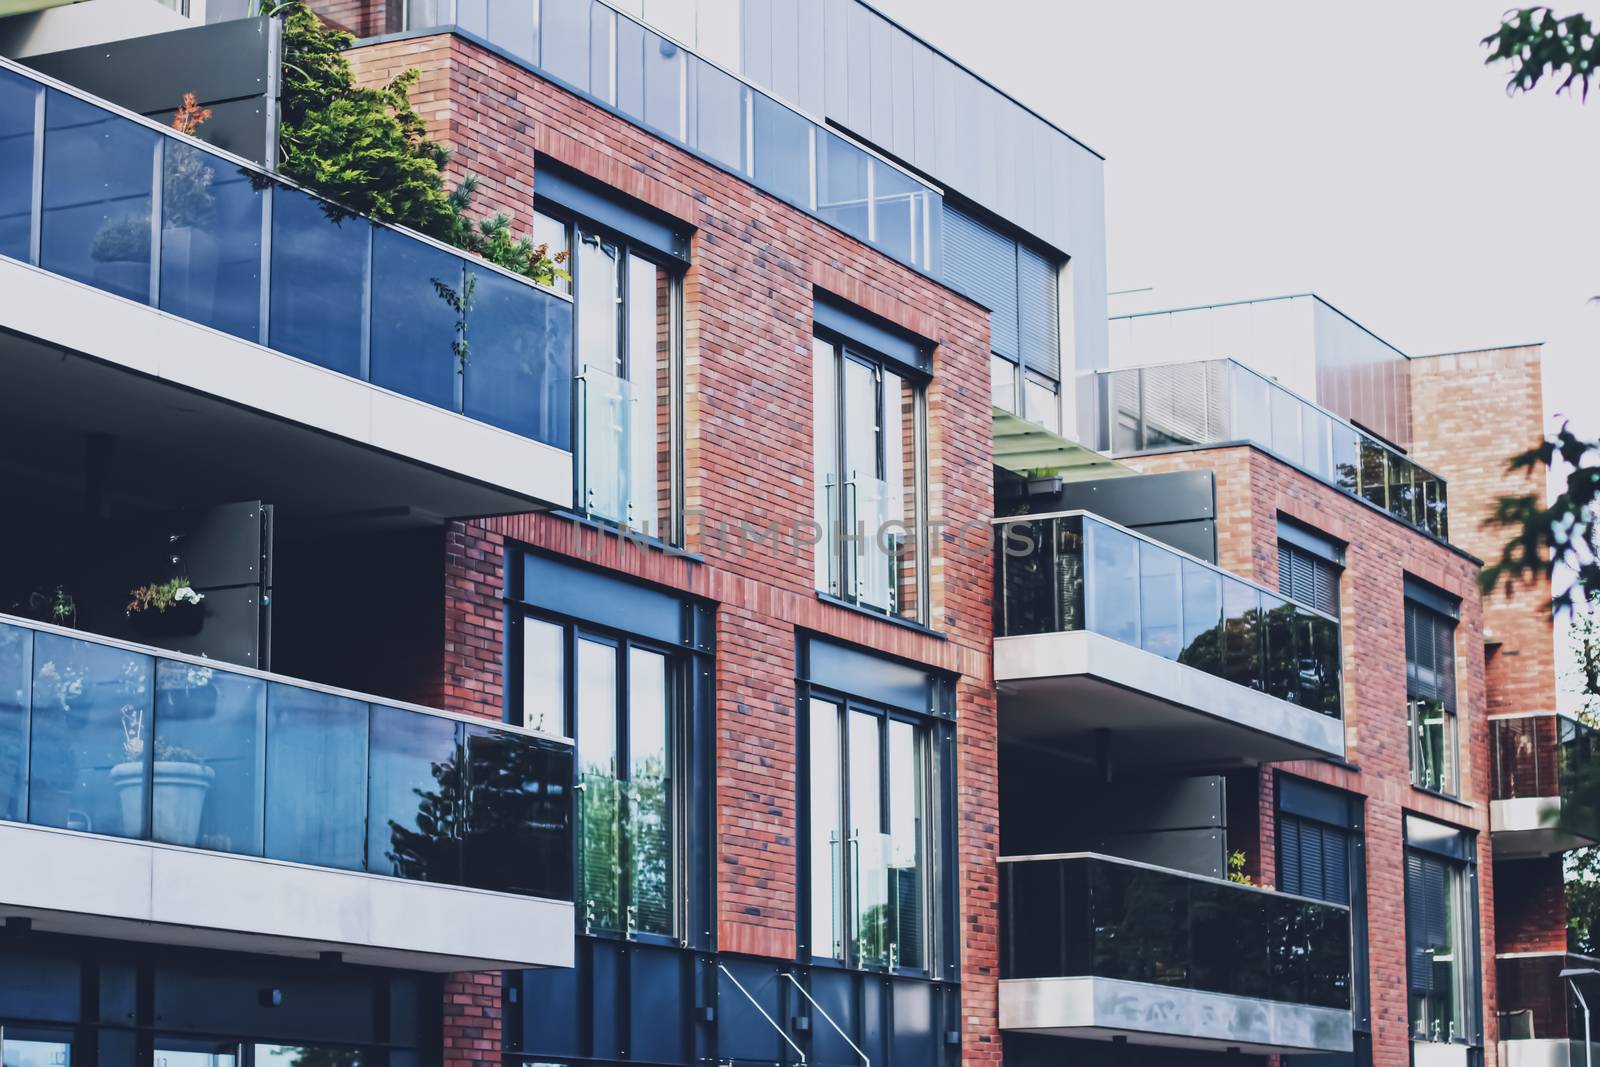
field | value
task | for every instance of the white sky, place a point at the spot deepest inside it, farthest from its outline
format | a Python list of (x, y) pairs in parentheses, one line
[(1356, 148)]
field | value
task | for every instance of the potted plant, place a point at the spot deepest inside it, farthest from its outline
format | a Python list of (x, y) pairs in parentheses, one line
[(56, 606), (166, 609), (179, 782)]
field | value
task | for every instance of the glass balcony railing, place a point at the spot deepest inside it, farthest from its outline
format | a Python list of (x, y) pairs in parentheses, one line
[(654, 83), (1549, 756), (1094, 916), (1536, 1003), (1061, 573), (107, 738), (1214, 401), (135, 209)]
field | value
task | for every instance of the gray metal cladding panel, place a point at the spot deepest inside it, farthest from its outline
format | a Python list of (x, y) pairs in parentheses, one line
[(881, 58), (742, 1034), (660, 997), (916, 1023), (981, 263), (1143, 500), (225, 64), (44, 987), (605, 1033), (222, 546), (875, 1023), (755, 43), (1038, 308), (221, 61), (1202, 852), (835, 990), (550, 1008)]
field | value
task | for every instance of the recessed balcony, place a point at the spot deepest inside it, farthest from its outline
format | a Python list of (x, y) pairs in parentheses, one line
[(1541, 1017), (162, 292), (1106, 636), (151, 796), (1546, 773), (1100, 948)]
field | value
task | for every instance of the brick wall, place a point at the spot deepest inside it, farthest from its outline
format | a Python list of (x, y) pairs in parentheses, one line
[(747, 428), (1530, 907), (1474, 411), (1253, 489)]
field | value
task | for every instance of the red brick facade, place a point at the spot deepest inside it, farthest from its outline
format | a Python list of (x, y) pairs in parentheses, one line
[(1253, 490), (756, 267)]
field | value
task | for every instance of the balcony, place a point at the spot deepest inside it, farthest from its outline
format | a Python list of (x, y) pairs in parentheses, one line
[(1541, 1021), (1102, 632), (168, 798), (653, 82), (1546, 770), (1220, 401), (160, 290), (1100, 948)]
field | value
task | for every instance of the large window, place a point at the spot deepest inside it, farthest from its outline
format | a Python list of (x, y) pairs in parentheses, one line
[(1441, 933), (619, 698), (871, 834), (870, 480), (1431, 698), (626, 344)]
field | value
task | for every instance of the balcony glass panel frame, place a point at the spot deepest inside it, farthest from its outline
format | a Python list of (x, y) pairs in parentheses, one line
[(123, 740), (177, 224), (1076, 571), (1236, 403), (1095, 916), (664, 87)]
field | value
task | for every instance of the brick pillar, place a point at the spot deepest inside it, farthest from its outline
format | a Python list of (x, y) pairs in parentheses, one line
[(472, 1031)]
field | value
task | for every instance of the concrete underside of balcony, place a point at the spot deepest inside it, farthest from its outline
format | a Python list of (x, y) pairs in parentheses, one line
[(1530, 827), (245, 421), (73, 883), (1108, 1009), (1066, 690)]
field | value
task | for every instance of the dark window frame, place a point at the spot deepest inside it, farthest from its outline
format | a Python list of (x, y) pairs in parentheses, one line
[(681, 670), (578, 227)]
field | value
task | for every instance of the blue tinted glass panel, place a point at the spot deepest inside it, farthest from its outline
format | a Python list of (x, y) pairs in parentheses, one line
[(663, 86), (842, 184), (91, 737), (1160, 602), (98, 174), (900, 203), (210, 241), (413, 807), (16, 163), (782, 151), (719, 116), (416, 306), (564, 41), (319, 278), (1113, 583), (1243, 633), (630, 69), (1202, 617), (316, 778), (519, 814), (519, 373), (511, 26), (16, 685), (210, 736)]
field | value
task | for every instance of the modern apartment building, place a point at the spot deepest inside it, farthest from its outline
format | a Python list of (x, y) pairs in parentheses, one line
[(808, 631)]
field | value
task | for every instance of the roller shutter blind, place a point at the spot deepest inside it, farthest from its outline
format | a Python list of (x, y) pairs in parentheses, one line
[(981, 263), (1313, 860), (1038, 309), (1308, 579)]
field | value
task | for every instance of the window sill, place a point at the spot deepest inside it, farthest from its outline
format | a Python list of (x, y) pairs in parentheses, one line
[(632, 537), (892, 620), (1435, 794)]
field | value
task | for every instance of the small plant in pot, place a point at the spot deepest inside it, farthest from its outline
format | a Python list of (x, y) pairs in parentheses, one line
[(168, 608), (180, 779)]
